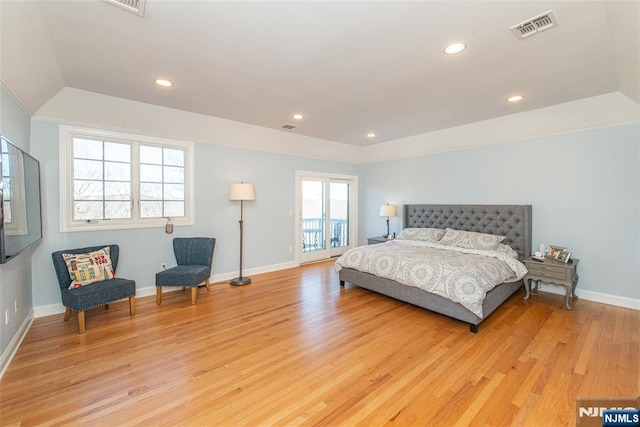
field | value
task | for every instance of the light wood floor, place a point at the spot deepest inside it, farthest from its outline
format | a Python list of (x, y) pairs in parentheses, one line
[(294, 348)]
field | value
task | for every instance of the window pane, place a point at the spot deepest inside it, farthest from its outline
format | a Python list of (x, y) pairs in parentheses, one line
[(174, 209), (97, 180), (173, 174), (7, 212), (6, 185), (87, 169), (87, 190), (151, 155), (149, 173), (117, 171), (150, 191), (5, 164), (174, 192), (173, 157), (117, 210), (117, 151), (87, 148), (151, 209), (87, 210), (117, 191)]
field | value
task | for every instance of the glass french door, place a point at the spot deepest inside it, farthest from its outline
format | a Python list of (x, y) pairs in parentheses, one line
[(326, 208)]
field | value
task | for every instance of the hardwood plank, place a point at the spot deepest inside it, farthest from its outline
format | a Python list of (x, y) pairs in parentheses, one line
[(295, 348)]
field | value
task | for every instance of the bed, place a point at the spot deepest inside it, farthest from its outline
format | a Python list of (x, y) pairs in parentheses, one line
[(511, 221)]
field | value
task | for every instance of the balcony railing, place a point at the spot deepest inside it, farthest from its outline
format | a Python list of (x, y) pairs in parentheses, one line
[(313, 236)]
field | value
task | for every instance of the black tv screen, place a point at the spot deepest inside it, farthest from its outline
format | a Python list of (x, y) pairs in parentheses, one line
[(20, 215)]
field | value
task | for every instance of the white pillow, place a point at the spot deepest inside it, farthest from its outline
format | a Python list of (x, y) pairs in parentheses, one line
[(422, 234), (470, 239)]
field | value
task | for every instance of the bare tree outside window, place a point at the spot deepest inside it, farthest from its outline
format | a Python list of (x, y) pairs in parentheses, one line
[(162, 182), (101, 180)]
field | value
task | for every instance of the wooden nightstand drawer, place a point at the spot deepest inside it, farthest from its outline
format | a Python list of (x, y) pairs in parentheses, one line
[(560, 272), (377, 239)]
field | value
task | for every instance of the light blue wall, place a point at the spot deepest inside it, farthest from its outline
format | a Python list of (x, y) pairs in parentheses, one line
[(15, 275), (584, 188), (268, 228)]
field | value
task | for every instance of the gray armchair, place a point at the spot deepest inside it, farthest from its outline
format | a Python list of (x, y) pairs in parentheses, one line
[(95, 294), (194, 256)]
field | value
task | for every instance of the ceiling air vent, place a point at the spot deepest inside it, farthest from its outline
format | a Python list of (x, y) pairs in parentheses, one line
[(535, 25), (288, 126), (133, 6)]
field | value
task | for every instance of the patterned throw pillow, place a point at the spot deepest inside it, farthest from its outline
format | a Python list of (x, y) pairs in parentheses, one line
[(471, 239), (422, 234), (92, 267)]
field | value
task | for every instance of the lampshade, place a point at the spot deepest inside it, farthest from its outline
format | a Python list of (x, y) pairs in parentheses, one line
[(387, 210), (241, 191)]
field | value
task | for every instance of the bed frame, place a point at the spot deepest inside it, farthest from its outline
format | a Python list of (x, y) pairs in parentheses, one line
[(512, 221)]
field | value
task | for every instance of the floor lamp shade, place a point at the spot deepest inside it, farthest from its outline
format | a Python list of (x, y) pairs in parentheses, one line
[(241, 192)]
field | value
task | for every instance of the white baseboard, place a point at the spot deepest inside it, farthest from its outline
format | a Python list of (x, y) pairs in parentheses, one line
[(256, 270), (50, 309), (12, 348), (222, 277), (594, 296)]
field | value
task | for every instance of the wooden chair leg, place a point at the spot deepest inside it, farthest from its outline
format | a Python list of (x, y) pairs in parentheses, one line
[(206, 283), (194, 294), (81, 324), (159, 295), (67, 313), (132, 306)]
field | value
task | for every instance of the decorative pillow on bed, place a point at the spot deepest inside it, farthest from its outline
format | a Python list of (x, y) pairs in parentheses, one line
[(508, 250), (88, 268), (470, 239), (422, 234)]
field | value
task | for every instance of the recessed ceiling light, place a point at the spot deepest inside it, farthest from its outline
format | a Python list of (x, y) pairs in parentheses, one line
[(298, 116), (371, 135), (455, 47), (164, 83), (515, 98)]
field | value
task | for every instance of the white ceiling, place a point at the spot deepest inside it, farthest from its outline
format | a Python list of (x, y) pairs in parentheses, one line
[(350, 67)]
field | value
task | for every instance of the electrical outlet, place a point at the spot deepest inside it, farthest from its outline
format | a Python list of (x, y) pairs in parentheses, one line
[(15, 306), (163, 265), (6, 316)]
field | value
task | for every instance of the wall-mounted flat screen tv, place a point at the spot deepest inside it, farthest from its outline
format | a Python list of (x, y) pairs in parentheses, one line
[(20, 215)]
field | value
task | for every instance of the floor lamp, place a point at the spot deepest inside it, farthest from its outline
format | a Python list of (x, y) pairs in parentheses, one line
[(242, 192)]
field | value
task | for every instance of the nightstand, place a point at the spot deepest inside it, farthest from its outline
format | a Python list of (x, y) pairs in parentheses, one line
[(377, 239), (553, 272)]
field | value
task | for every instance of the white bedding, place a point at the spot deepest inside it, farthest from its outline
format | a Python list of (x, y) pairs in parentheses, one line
[(461, 275)]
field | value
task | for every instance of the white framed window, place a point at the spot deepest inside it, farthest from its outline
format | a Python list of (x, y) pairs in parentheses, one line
[(115, 180)]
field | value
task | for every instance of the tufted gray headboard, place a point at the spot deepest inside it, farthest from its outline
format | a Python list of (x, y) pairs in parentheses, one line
[(512, 221)]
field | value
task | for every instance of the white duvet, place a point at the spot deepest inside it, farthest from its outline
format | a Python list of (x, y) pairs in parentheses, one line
[(461, 275)]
